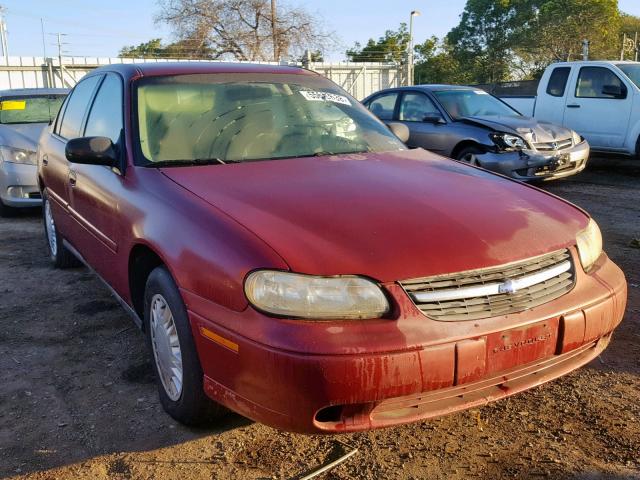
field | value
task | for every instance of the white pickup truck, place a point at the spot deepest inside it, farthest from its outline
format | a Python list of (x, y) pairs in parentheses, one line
[(599, 100)]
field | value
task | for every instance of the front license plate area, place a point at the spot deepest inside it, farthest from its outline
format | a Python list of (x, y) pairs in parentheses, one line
[(523, 345)]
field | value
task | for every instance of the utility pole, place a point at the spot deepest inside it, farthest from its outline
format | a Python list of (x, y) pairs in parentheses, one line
[(636, 48), (274, 30), (585, 49), (59, 44), (44, 45), (414, 13), (3, 34)]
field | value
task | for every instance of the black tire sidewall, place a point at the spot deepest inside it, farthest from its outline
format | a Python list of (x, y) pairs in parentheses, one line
[(193, 405)]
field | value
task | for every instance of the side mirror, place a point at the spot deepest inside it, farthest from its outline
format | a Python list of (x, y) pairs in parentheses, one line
[(400, 130), (434, 118), (92, 151), (615, 91)]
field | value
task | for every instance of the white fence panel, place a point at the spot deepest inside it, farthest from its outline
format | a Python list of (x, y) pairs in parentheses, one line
[(359, 79)]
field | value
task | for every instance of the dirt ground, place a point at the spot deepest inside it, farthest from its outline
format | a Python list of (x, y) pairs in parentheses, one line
[(77, 398)]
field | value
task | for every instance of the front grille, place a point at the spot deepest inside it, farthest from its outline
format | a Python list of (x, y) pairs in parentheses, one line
[(35, 195), (495, 291), (553, 146)]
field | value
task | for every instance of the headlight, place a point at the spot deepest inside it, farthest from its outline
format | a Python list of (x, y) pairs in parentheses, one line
[(17, 155), (506, 141), (306, 296), (576, 138), (589, 243)]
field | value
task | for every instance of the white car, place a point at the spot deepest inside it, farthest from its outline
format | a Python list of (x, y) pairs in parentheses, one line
[(598, 99)]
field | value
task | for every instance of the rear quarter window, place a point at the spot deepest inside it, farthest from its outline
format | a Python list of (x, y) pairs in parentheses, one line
[(558, 81)]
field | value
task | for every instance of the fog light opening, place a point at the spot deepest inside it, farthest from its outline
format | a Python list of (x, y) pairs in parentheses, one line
[(331, 414)]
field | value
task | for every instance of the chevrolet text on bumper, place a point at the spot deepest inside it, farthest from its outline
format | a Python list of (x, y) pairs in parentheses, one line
[(289, 258)]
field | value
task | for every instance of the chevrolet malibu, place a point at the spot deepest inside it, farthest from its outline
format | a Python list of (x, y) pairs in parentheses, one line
[(290, 259)]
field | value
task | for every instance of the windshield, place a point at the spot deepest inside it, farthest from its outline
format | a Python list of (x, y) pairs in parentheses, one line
[(30, 109), (632, 71), (472, 103), (243, 117)]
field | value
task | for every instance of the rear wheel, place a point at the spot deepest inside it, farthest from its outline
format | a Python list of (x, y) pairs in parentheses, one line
[(60, 256), (175, 360), (470, 155)]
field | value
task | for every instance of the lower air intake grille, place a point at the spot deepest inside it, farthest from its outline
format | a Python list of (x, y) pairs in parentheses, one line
[(495, 291)]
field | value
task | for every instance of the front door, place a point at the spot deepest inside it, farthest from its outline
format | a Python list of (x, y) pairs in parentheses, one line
[(418, 112), (95, 189), (599, 107)]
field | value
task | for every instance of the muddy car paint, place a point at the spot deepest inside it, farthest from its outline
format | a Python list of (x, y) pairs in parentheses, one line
[(541, 159), (18, 184), (409, 214)]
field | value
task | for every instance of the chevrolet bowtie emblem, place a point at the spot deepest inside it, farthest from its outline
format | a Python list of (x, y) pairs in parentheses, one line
[(508, 287)]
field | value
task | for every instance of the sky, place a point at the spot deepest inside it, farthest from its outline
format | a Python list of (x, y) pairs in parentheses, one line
[(101, 28)]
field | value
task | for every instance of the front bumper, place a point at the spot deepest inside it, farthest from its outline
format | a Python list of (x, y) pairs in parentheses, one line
[(323, 378), (19, 185), (529, 165)]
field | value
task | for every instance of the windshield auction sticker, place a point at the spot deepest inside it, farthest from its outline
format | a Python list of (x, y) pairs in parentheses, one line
[(13, 105), (314, 96)]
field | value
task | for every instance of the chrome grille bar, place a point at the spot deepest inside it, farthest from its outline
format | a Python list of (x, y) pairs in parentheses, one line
[(492, 288)]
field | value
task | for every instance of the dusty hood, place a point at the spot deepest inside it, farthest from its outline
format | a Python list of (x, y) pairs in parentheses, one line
[(529, 128), (389, 216), (23, 136)]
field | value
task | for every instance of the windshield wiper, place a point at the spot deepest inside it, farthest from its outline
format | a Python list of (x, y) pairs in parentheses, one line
[(188, 162)]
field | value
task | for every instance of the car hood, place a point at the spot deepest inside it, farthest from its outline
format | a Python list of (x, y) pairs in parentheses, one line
[(23, 135), (529, 128), (389, 216)]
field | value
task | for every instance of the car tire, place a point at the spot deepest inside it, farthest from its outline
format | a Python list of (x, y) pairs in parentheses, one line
[(60, 255), (469, 155), (6, 211), (174, 357)]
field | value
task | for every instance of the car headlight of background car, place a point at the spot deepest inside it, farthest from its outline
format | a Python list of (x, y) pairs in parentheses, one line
[(307, 296), (506, 141), (589, 243), (17, 155)]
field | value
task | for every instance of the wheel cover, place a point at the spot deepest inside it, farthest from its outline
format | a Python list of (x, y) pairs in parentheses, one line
[(50, 228), (470, 158), (166, 347)]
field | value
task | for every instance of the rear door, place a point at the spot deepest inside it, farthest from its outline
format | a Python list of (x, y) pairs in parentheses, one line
[(54, 164), (425, 122), (96, 189), (599, 106)]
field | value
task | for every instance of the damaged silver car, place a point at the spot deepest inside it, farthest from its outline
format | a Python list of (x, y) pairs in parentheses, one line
[(23, 115), (470, 125)]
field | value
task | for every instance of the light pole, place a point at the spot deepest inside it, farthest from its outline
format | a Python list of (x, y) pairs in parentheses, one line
[(414, 13)]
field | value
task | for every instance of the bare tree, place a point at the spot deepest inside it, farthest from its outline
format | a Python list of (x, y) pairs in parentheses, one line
[(242, 29)]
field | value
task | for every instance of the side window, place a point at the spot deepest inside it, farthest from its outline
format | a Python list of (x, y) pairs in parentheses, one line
[(558, 81), (105, 117), (599, 82), (77, 106), (383, 106), (414, 107), (58, 122)]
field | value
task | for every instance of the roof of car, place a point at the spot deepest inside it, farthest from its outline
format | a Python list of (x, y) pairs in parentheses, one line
[(33, 91), (130, 70)]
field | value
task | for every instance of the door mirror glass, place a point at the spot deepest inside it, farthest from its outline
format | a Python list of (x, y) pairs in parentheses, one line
[(434, 118), (92, 151), (614, 91), (400, 130)]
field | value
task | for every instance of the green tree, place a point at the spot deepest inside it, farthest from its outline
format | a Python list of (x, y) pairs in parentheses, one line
[(392, 47), (185, 48), (559, 27), (435, 63)]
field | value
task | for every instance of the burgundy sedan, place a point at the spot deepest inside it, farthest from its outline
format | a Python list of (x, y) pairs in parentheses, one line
[(290, 259)]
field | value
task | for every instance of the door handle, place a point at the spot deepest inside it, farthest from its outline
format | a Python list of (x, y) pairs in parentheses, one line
[(72, 178), (573, 105), (45, 160)]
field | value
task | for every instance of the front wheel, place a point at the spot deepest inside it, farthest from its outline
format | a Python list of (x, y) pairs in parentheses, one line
[(175, 360), (60, 255), (470, 155)]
